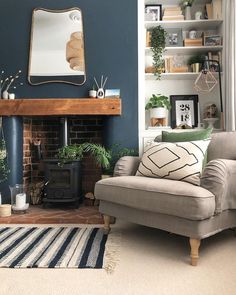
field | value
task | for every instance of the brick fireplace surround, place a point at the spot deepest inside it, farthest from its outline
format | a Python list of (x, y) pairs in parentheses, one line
[(46, 129)]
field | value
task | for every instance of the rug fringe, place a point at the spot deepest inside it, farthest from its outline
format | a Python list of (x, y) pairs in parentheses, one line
[(112, 251)]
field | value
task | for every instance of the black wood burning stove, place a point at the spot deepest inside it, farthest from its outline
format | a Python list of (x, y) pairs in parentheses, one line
[(62, 183)]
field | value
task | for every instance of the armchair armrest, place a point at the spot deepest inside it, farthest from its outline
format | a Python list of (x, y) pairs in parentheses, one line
[(219, 177), (126, 166)]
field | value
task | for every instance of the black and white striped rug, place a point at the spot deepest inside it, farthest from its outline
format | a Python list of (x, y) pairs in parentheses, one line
[(52, 247)]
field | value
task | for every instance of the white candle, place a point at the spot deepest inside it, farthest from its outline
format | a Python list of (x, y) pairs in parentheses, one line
[(20, 200), (11, 95)]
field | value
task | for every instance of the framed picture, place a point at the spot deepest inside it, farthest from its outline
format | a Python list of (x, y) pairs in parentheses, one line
[(184, 110), (112, 93), (174, 37), (212, 40), (153, 12)]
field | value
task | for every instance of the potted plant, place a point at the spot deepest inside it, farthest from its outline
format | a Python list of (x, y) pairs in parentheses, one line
[(196, 62), (117, 151), (77, 151), (158, 104), (158, 43)]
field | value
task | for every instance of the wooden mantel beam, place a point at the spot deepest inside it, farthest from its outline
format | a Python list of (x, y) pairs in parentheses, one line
[(60, 106)]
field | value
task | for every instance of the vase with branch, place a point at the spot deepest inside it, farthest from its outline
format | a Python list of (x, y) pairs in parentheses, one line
[(8, 83), (187, 4)]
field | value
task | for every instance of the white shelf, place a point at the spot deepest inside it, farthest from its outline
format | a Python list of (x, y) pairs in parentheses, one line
[(174, 76), (187, 50), (203, 24)]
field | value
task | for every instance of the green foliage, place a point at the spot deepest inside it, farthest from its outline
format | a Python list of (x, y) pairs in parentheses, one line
[(195, 59), (116, 152), (186, 3), (77, 151), (158, 43), (158, 101), (4, 170)]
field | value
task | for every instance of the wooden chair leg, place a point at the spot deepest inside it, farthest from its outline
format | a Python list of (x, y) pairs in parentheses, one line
[(106, 227), (194, 244)]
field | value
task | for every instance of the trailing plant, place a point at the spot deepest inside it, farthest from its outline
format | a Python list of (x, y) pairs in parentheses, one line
[(4, 170), (158, 43), (77, 151), (116, 152), (158, 101)]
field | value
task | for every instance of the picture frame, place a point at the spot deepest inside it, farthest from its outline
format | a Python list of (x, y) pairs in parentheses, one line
[(214, 40), (112, 93), (153, 12), (174, 38), (184, 110)]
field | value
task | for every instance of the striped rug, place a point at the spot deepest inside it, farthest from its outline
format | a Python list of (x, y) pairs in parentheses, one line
[(52, 247)]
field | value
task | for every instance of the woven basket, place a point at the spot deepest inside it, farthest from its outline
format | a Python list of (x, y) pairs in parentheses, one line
[(5, 210)]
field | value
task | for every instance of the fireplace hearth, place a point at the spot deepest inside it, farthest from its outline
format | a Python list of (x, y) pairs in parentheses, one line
[(63, 184)]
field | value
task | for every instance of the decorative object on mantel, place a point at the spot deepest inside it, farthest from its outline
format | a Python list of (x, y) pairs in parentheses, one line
[(158, 105), (100, 90), (93, 92), (7, 84)]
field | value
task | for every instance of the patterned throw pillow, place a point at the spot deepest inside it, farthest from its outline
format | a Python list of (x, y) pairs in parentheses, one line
[(174, 160)]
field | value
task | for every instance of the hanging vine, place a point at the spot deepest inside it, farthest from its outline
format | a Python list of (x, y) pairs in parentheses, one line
[(4, 170), (158, 43)]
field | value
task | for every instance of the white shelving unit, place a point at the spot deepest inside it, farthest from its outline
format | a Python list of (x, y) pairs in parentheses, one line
[(171, 83)]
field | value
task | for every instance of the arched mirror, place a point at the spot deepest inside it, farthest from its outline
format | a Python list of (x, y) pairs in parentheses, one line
[(57, 47)]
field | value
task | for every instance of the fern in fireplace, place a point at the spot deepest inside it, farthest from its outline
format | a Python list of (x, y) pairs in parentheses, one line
[(77, 151)]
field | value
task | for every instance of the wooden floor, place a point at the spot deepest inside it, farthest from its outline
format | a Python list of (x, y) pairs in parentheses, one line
[(39, 215)]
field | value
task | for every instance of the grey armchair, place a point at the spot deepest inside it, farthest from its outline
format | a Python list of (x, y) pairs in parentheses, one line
[(179, 207)]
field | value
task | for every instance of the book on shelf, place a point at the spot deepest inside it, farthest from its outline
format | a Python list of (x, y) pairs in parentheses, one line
[(217, 9), (172, 8), (158, 127), (173, 18), (209, 10), (148, 39), (172, 12)]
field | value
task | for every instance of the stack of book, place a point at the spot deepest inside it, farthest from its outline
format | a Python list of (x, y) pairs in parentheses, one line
[(172, 13)]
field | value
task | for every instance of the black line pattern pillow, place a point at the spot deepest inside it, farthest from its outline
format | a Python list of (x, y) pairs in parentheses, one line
[(174, 160)]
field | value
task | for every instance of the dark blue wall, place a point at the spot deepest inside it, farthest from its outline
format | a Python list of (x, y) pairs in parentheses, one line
[(110, 30)]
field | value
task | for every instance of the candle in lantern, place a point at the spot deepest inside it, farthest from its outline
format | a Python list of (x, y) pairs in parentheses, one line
[(20, 200)]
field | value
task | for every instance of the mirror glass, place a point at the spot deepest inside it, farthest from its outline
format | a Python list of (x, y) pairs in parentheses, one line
[(57, 47)]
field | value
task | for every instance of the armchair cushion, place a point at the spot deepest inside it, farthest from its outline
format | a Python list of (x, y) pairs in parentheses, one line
[(179, 161), (219, 177), (126, 165), (158, 195)]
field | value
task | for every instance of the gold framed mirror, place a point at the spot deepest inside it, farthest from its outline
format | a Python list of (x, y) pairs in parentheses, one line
[(57, 47)]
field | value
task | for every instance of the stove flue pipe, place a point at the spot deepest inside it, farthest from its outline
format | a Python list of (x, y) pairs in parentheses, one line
[(64, 131)]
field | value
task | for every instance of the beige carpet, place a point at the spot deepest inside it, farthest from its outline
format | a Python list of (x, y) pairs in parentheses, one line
[(152, 262)]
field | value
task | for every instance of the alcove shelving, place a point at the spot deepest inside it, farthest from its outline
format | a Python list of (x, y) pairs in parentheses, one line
[(180, 83)]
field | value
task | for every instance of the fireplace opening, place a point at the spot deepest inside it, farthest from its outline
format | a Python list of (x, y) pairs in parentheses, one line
[(72, 181)]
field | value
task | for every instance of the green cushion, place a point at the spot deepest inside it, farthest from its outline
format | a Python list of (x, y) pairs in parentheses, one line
[(186, 136)]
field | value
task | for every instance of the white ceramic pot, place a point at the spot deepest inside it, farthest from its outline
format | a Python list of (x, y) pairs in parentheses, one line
[(92, 93), (5, 94), (158, 113)]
